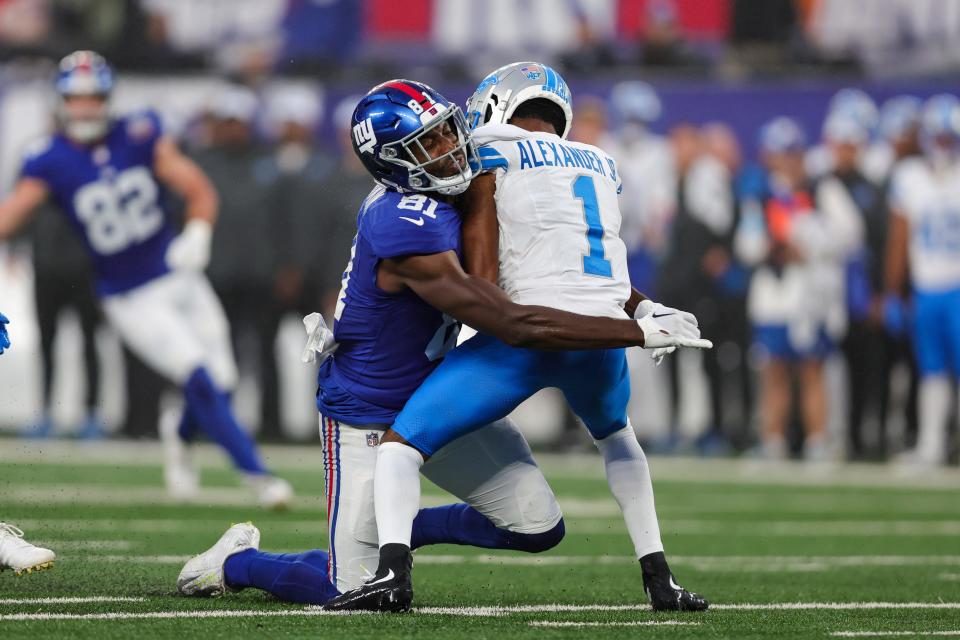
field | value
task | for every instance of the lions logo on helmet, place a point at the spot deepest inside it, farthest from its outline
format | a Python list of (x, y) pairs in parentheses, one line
[(411, 138), (500, 93), (84, 73)]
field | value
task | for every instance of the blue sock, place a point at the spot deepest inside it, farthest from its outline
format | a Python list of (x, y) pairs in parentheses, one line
[(209, 408), (188, 426), (462, 524), (292, 577)]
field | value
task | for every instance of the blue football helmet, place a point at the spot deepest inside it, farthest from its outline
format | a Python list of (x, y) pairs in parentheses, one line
[(899, 116), (84, 73), (782, 135), (940, 125), (397, 128), (857, 104)]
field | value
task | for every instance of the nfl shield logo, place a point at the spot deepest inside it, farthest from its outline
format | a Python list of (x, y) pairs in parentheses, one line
[(532, 72), (373, 439)]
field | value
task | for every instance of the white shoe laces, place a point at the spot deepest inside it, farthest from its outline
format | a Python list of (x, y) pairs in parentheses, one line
[(9, 529)]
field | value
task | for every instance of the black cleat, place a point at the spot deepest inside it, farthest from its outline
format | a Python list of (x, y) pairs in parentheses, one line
[(663, 591), (389, 591), (667, 595)]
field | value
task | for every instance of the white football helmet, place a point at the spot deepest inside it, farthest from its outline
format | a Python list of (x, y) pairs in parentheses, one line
[(501, 92)]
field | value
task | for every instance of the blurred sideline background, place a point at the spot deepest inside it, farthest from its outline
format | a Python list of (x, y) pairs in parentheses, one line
[(259, 93)]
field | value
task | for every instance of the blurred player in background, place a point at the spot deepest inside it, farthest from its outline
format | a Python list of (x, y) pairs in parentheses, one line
[(846, 191), (795, 302), (925, 242), (528, 223), (108, 176)]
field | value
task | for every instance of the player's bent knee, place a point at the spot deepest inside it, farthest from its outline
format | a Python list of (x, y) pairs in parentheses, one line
[(539, 542)]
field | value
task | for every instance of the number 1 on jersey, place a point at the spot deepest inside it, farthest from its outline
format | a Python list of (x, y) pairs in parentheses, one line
[(593, 263)]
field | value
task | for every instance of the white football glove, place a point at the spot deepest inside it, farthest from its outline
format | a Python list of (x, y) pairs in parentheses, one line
[(320, 342), (666, 328), (190, 250)]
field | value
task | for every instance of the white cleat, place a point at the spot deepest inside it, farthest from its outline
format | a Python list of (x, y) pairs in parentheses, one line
[(203, 574), (180, 477), (272, 492), (19, 555)]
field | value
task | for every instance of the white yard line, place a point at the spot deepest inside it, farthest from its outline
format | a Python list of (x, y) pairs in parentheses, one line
[(734, 564), (889, 634), (491, 611), (307, 457), (635, 623), (69, 600), (704, 563), (778, 528), (149, 615), (834, 606), (582, 518), (767, 606), (85, 545)]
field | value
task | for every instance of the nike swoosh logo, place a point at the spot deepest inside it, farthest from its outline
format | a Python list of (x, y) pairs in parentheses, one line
[(418, 221), (389, 575), (673, 583), (663, 314)]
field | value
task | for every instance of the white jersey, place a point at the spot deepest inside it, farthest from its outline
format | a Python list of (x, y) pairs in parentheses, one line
[(930, 200), (559, 221)]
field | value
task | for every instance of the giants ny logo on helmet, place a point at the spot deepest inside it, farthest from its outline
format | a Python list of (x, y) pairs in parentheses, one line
[(411, 138), (364, 137)]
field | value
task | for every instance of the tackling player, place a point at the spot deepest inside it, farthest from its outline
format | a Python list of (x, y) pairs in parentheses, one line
[(546, 221), (403, 293), (924, 240), (108, 177)]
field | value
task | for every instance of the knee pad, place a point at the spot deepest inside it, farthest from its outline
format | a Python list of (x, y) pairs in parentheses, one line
[(538, 542)]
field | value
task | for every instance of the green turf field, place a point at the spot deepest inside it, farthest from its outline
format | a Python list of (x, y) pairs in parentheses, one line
[(786, 552)]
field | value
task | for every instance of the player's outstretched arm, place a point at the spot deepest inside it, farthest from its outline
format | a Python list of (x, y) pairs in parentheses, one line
[(480, 229), (895, 275), (191, 249), (186, 179), (20, 205), (896, 260), (441, 281)]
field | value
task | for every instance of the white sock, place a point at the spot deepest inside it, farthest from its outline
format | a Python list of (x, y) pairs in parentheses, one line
[(629, 478), (396, 491), (934, 413)]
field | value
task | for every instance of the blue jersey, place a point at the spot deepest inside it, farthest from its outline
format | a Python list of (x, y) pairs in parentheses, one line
[(110, 195), (389, 342)]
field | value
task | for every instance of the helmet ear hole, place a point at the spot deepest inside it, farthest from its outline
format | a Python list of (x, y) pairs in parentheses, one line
[(487, 114)]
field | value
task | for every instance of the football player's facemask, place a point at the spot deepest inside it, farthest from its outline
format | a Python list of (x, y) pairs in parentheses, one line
[(84, 83), (411, 138), (940, 128), (501, 92)]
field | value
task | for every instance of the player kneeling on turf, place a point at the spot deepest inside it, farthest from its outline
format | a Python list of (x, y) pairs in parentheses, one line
[(546, 217), (403, 293)]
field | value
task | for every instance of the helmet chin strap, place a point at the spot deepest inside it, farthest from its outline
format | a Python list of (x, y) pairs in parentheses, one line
[(454, 190)]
